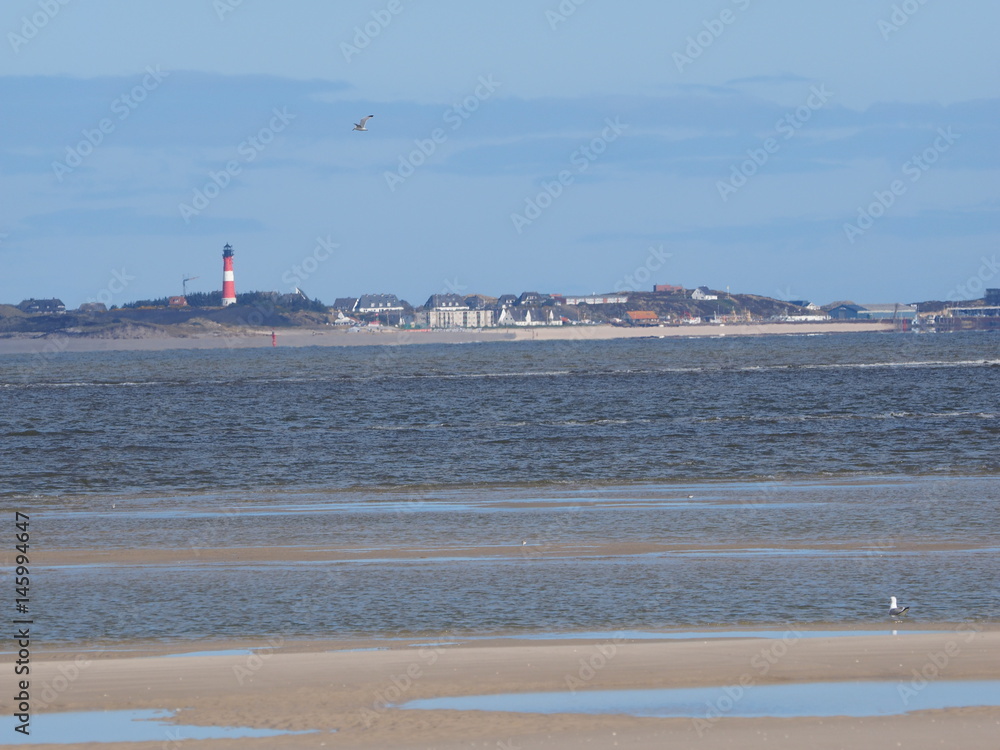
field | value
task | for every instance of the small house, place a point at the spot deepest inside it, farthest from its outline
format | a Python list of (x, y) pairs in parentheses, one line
[(44, 306), (345, 304), (703, 293), (642, 318), (375, 303)]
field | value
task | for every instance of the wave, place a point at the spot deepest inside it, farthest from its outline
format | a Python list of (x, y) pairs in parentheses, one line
[(486, 425), (767, 419), (362, 375)]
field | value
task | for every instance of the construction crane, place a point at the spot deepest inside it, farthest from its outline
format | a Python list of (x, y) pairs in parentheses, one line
[(185, 283)]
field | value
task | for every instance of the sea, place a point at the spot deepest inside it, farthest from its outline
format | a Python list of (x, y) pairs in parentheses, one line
[(514, 488)]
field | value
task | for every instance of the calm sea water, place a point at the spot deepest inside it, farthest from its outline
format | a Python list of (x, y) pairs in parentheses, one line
[(829, 464)]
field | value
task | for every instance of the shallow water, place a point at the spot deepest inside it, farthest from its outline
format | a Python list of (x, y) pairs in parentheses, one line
[(749, 701), (777, 480), (141, 725), (830, 552)]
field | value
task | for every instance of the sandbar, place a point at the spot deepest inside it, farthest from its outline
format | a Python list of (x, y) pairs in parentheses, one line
[(354, 688)]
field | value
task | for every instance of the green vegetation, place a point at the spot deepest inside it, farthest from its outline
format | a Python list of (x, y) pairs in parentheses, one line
[(271, 301)]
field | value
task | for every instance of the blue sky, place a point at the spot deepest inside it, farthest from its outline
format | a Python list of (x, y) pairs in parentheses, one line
[(795, 149)]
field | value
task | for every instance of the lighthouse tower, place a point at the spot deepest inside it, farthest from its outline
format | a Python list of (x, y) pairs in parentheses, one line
[(228, 280)]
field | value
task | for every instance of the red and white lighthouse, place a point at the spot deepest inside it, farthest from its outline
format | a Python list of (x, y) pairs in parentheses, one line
[(228, 279)]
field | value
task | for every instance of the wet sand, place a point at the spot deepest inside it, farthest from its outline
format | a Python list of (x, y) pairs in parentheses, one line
[(335, 553), (297, 337), (317, 686)]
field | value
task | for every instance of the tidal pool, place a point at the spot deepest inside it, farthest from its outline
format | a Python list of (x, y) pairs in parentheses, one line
[(753, 701), (147, 725)]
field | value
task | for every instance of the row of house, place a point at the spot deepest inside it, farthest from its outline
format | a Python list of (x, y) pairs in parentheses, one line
[(450, 310), (376, 303), (36, 306)]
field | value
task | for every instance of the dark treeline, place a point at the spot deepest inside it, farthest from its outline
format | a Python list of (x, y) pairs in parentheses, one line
[(263, 300)]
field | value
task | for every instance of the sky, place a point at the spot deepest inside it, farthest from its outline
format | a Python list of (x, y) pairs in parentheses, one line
[(799, 150)]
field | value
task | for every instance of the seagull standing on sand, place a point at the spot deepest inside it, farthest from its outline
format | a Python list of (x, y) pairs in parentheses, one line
[(894, 610), (361, 125)]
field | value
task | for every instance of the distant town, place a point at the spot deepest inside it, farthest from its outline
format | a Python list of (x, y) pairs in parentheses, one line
[(663, 305)]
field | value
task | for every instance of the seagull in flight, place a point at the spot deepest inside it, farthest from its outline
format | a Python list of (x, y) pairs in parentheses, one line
[(361, 125), (895, 610)]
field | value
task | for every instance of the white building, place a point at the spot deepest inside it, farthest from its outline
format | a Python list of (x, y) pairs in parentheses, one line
[(457, 318), (528, 316), (703, 293), (450, 311), (379, 303)]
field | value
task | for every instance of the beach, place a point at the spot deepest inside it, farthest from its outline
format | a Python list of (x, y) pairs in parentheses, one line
[(243, 338), (143, 631), (347, 696)]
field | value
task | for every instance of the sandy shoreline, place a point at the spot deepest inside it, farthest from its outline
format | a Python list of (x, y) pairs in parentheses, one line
[(319, 686), (297, 337)]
